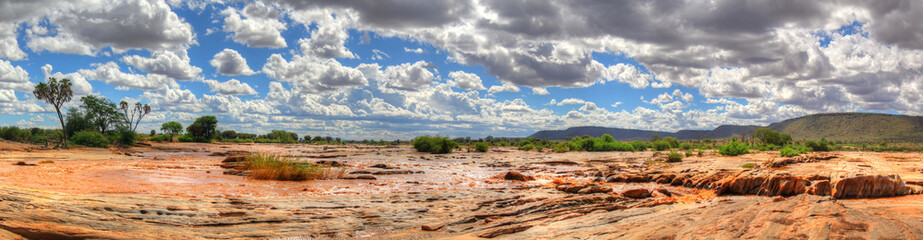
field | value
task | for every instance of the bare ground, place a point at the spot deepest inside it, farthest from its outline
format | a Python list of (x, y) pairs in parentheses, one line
[(180, 191)]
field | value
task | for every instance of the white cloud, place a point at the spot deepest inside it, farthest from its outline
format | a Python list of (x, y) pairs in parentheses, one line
[(379, 55), (311, 75), (589, 107), (257, 25), (231, 87), (574, 101), (539, 91), (328, 39), (414, 50), (467, 81), (230, 63), (14, 77), (503, 88), (86, 27), (616, 104), (110, 73), (407, 76), (166, 63), (9, 46)]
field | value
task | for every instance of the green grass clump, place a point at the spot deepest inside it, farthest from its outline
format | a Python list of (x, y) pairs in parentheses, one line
[(674, 157), (46, 161), (689, 153), (561, 148), (434, 144), (481, 147), (749, 165), (276, 167), (90, 139), (733, 149)]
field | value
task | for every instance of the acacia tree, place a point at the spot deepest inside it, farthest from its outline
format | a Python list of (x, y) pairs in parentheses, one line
[(171, 128), (138, 110), (101, 112), (55, 93)]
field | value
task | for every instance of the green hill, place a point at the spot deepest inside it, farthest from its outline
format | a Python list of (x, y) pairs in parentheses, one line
[(853, 127)]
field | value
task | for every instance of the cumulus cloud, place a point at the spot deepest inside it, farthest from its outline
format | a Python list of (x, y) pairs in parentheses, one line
[(328, 39), (257, 25), (539, 91), (467, 81), (407, 76), (111, 73), (14, 77), (9, 46), (312, 75), (503, 88), (230, 63), (166, 63), (86, 27), (231, 87)]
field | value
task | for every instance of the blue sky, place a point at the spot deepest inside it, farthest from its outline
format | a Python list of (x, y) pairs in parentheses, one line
[(357, 70)]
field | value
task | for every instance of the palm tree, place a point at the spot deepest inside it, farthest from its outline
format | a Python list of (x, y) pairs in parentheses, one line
[(55, 93), (139, 109)]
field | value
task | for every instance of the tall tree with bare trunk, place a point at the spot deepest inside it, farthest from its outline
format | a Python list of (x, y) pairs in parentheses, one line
[(55, 93), (138, 111)]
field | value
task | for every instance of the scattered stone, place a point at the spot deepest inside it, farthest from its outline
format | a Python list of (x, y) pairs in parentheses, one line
[(638, 193), (593, 188), (432, 226), (361, 177), (383, 166), (516, 176)]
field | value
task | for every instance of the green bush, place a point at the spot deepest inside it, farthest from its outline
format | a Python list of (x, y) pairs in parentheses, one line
[(481, 147), (819, 146), (733, 149), (789, 152), (661, 145), (186, 138), (749, 165), (638, 145), (689, 153), (674, 157), (527, 147), (561, 147), (161, 138), (123, 136), (90, 139), (434, 144)]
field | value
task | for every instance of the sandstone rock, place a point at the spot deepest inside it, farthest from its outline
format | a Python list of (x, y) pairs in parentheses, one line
[(593, 188), (363, 177), (432, 226), (516, 176), (664, 191), (868, 186), (382, 166), (637, 193)]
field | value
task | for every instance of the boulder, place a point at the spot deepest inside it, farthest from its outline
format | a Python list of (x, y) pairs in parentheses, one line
[(637, 193), (516, 176), (432, 226)]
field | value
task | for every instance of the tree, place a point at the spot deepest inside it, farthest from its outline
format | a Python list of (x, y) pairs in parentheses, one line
[(138, 110), (767, 136), (101, 112), (171, 128), (204, 129), (55, 93)]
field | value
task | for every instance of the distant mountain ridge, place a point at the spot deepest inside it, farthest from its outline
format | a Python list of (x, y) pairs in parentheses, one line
[(855, 127), (621, 134)]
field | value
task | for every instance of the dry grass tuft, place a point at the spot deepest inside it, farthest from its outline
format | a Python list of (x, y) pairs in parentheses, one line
[(277, 167)]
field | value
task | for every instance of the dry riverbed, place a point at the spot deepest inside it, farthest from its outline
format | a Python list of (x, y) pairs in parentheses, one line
[(181, 191)]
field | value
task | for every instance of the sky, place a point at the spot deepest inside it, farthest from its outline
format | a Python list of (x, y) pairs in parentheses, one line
[(394, 69)]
